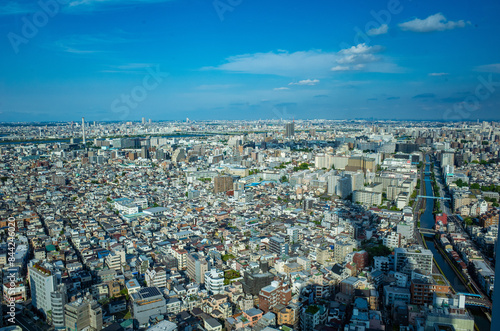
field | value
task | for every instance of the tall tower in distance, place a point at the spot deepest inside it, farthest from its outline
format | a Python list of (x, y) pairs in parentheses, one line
[(290, 129), (83, 129)]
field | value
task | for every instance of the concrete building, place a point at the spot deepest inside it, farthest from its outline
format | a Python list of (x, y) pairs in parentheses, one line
[(43, 281), (289, 129), (423, 290), (410, 259), (341, 250), (197, 266), (83, 314), (277, 245), (214, 281), (156, 277), (367, 198), (278, 293), (223, 184), (58, 301), (312, 316), (392, 294), (147, 302)]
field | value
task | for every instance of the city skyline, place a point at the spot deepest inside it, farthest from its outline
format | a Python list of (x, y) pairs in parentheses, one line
[(168, 60)]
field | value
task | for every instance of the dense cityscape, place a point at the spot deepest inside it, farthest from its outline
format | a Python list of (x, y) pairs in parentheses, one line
[(248, 225)]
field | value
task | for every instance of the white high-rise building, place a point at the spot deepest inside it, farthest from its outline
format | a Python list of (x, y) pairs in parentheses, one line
[(43, 280), (214, 281), (410, 259), (83, 130)]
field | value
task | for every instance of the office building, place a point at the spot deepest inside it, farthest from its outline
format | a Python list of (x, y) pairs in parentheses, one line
[(277, 245), (83, 314), (410, 259), (197, 266), (43, 281), (147, 302)]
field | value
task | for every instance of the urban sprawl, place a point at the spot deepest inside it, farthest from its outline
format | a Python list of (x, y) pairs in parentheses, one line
[(248, 225)]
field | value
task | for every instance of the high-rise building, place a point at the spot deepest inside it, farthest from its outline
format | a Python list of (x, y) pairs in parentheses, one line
[(290, 129), (83, 129), (278, 293), (423, 289), (407, 260), (43, 280), (214, 281), (223, 184), (341, 250), (144, 152), (197, 266), (254, 282), (83, 314), (277, 245), (58, 301), (144, 120)]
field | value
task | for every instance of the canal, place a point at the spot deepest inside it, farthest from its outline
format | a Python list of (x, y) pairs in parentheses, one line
[(427, 221)]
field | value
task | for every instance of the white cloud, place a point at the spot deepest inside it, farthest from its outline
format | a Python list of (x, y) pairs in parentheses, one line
[(383, 29), (361, 57), (361, 49), (302, 63), (438, 74), (495, 67), (436, 22), (281, 88), (306, 82), (309, 63), (341, 68)]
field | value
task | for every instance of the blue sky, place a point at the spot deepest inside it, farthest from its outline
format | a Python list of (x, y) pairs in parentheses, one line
[(241, 59)]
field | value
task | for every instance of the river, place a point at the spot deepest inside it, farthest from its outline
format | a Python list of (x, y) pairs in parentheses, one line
[(427, 221)]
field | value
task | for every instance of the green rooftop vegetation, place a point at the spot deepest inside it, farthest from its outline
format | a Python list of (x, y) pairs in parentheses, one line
[(312, 310)]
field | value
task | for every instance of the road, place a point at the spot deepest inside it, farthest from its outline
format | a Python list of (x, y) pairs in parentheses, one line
[(25, 324)]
